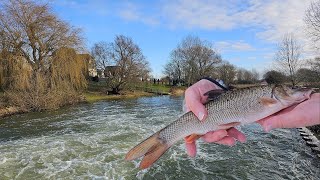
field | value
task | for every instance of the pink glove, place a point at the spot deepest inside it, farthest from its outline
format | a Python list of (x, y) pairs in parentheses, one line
[(304, 114), (195, 99)]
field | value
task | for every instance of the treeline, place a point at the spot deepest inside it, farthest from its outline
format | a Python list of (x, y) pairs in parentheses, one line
[(39, 65), (194, 59)]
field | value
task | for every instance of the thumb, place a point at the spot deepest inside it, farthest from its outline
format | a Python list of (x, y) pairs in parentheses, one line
[(199, 110)]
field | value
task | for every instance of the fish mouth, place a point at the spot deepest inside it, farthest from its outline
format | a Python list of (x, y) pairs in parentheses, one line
[(297, 95)]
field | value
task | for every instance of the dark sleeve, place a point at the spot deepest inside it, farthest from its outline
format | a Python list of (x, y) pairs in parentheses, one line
[(216, 83)]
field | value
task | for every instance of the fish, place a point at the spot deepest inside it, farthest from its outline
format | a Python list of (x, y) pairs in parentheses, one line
[(225, 110)]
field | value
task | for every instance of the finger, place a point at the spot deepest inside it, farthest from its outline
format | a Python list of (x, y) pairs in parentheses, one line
[(191, 149), (229, 141), (214, 136), (233, 132)]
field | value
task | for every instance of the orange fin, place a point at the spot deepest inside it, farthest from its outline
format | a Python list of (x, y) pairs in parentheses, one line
[(229, 125), (191, 138), (152, 148), (153, 155), (267, 101)]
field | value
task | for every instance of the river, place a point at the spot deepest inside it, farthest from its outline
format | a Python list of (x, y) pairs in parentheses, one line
[(89, 141)]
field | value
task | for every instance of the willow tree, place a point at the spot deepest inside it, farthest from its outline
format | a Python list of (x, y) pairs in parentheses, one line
[(68, 67), (14, 72), (33, 31), (31, 34)]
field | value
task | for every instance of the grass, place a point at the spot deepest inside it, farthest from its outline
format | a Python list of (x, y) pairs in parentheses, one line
[(154, 87), (97, 86), (97, 96), (97, 91)]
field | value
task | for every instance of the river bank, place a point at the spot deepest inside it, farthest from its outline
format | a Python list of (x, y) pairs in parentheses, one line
[(90, 97), (94, 96)]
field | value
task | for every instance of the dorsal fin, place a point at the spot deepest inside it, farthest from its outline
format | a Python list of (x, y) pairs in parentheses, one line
[(214, 94)]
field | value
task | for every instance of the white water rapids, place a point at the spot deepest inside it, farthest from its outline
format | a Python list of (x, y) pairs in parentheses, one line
[(89, 141)]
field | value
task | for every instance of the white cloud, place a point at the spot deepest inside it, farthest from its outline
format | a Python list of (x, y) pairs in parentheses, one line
[(227, 46), (132, 12), (199, 14), (272, 18)]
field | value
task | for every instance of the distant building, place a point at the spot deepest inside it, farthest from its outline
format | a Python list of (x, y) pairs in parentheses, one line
[(92, 70), (111, 71)]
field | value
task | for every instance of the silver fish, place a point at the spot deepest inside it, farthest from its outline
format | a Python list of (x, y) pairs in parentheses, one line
[(225, 111)]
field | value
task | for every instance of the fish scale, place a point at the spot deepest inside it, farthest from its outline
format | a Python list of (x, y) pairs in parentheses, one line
[(225, 111)]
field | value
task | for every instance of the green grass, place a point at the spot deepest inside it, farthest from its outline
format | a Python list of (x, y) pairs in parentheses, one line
[(94, 96), (160, 87), (154, 87)]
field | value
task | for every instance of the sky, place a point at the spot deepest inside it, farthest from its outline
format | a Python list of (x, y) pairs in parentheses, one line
[(245, 32)]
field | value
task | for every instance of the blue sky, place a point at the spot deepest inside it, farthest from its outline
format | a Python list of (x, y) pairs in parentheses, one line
[(245, 33)]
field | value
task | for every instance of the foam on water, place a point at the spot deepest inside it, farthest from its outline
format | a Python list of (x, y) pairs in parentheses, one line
[(90, 141)]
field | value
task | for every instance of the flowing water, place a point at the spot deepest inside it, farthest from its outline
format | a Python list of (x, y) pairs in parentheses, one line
[(90, 141)]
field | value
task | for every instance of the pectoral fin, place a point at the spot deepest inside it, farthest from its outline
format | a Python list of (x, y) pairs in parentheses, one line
[(267, 101), (191, 138)]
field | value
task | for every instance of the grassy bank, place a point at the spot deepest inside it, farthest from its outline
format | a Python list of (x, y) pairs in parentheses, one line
[(98, 96)]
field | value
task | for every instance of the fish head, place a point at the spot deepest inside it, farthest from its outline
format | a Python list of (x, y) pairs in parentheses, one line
[(289, 96)]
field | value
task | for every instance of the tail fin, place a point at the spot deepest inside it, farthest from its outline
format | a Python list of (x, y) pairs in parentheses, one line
[(152, 148)]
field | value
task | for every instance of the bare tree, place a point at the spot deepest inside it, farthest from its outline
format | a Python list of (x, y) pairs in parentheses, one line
[(174, 69), (194, 58), (128, 63), (34, 32), (312, 20), (100, 52), (227, 72), (288, 57), (314, 65), (247, 77)]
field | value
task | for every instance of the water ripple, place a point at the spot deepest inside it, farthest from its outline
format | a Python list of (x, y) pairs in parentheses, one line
[(90, 141)]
